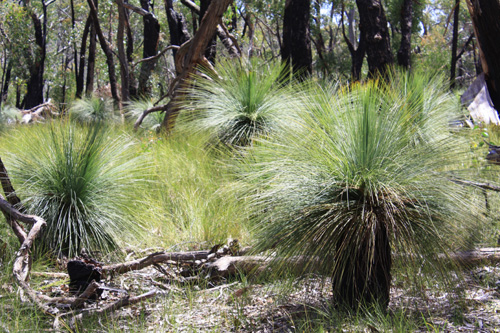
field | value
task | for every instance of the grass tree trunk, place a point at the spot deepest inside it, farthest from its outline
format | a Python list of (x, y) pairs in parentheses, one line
[(368, 279), (296, 48), (404, 52), (485, 18), (374, 30)]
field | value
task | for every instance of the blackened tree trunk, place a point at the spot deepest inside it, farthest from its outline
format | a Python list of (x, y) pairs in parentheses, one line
[(7, 72), (34, 94), (296, 47), (357, 53), (150, 48), (485, 16), (367, 278), (89, 84), (177, 26), (211, 50), (454, 44), (404, 52), (122, 55), (107, 52), (80, 72), (374, 30)]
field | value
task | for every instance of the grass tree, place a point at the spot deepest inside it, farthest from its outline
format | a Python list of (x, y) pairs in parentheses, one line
[(92, 109), (242, 100), (360, 178), (81, 179)]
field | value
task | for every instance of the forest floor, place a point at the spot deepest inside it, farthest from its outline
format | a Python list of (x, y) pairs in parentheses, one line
[(286, 306)]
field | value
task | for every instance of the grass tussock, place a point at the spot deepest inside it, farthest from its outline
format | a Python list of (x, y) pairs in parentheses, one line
[(83, 180)]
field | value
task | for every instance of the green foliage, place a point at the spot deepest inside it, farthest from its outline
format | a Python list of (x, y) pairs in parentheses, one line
[(9, 115), (368, 162), (88, 110), (241, 102), (135, 108), (81, 180), (190, 199)]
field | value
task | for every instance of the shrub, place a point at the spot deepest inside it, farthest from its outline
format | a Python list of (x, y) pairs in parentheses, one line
[(239, 102), (81, 180), (364, 176)]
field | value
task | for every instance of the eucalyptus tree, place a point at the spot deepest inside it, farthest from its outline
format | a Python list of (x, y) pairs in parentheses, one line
[(296, 47)]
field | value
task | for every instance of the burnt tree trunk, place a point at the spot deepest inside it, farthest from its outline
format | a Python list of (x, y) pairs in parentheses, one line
[(454, 44), (374, 30), (176, 25), (34, 94), (404, 52), (357, 53), (367, 278), (296, 47), (485, 18), (80, 72), (107, 52), (7, 72), (211, 50), (122, 55), (89, 84), (150, 48)]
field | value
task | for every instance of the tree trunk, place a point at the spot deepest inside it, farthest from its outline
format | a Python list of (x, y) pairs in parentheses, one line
[(485, 18), (6, 81), (34, 95), (366, 279), (177, 26), (211, 50), (404, 52), (373, 27), (193, 56), (454, 44), (150, 48), (80, 72), (122, 55), (107, 52), (89, 84), (296, 48), (357, 53)]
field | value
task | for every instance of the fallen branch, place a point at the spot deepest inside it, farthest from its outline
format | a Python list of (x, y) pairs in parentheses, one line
[(154, 258), (146, 112), (484, 186)]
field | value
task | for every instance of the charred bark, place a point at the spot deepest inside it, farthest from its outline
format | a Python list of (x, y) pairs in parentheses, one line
[(374, 31), (89, 84), (454, 44), (34, 94), (485, 14), (150, 48), (107, 52), (177, 26), (80, 73), (296, 47), (357, 53), (404, 52)]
